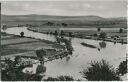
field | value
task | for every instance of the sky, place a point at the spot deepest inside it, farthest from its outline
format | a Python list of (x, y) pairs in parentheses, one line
[(103, 8)]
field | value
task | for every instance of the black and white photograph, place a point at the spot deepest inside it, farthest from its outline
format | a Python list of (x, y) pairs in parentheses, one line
[(64, 40)]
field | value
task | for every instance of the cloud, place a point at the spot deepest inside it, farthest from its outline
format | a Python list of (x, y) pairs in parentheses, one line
[(71, 8), (87, 5)]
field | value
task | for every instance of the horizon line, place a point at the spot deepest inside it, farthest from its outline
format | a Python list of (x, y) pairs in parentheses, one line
[(63, 15)]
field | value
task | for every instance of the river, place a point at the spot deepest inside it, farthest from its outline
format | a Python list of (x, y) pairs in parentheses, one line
[(81, 57)]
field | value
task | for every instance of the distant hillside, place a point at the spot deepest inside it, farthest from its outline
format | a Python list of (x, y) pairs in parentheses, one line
[(90, 20), (47, 17)]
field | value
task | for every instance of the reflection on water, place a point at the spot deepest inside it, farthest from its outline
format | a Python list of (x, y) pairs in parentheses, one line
[(81, 55)]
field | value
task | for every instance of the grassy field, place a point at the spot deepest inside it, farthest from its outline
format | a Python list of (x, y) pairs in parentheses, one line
[(111, 32), (82, 33), (91, 30), (11, 44)]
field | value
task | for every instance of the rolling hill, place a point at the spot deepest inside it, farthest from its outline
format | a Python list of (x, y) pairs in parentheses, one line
[(90, 20), (34, 17)]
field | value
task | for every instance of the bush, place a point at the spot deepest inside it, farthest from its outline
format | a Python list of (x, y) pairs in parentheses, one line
[(22, 34), (65, 78), (56, 33), (102, 35), (51, 79), (100, 71), (14, 73), (41, 53), (61, 32), (121, 30), (17, 59), (40, 69), (98, 29), (95, 35), (60, 78), (102, 44), (122, 69)]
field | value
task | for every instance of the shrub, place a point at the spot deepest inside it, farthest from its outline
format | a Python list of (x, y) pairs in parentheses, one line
[(41, 53), (14, 73), (51, 79), (60, 78), (17, 59), (65, 78), (98, 29), (102, 44), (22, 34), (70, 34), (102, 35), (100, 71), (121, 30), (61, 32), (40, 69), (95, 35), (122, 69), (56, 33)]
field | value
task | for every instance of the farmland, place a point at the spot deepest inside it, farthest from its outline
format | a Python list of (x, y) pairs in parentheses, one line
[(82, 32), (12, 44)]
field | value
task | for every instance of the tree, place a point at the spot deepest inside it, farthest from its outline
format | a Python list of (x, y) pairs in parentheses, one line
[(102, 44), (41, 53), (60, 78), (70, 34), (51, 33), (98, 29), (121, 30), (68, 44), (8, 74), (100, 71), (50, 23), (57, 39), (62, 33), (64, 24), (40, 69), (56, 33), (66, 78), (22, 34), (17, 60), (13, 73), (122, 69), (95, 35), (102, 35), (4, 27)]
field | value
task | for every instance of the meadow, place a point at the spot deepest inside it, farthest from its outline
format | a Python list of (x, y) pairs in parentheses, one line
[(14, 44)]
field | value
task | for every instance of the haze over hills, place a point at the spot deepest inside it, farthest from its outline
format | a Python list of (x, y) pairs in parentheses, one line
[(34, 17)]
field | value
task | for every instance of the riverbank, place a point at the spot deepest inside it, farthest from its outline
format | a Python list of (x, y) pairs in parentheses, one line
[(85, 34)]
